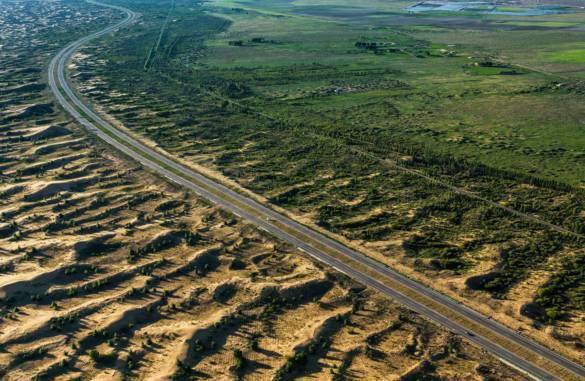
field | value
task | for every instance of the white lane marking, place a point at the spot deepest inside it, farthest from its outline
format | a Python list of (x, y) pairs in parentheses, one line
[(171, 179)]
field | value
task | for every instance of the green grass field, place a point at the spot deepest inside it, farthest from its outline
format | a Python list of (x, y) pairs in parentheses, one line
[(512, 118), (569, 56)]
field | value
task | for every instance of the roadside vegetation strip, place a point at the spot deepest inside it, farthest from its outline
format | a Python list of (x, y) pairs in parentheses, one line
[(395, 165), (232, 200)]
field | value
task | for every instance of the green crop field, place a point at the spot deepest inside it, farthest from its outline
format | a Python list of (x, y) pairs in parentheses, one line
[(569, 55)]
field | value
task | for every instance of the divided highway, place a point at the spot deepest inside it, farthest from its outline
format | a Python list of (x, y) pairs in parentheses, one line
[(516, 350)]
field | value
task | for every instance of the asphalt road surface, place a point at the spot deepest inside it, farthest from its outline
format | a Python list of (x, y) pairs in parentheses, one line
[(317, 245)]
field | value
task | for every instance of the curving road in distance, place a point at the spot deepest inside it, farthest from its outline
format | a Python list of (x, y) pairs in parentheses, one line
[(514, 349)]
